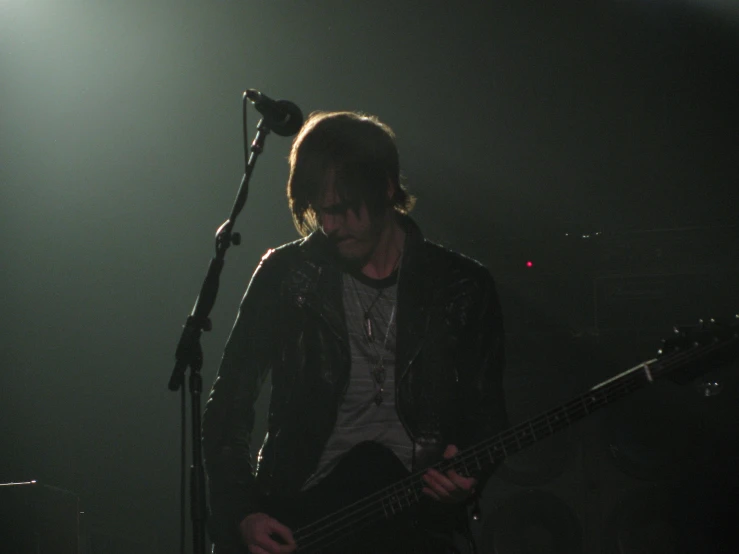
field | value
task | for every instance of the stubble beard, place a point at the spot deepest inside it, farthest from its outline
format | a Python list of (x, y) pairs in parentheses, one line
[(358, 251)]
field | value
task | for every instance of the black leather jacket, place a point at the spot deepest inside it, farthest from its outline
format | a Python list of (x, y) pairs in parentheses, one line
[(449, 362)]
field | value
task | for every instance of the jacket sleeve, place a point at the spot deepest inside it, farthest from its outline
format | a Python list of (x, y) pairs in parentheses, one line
[(228, 419), (484, 411)]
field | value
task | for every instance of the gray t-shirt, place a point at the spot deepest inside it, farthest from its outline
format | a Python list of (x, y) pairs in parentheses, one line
[(362, 415)]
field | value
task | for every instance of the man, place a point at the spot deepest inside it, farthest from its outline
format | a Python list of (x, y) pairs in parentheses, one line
[(372, 334)]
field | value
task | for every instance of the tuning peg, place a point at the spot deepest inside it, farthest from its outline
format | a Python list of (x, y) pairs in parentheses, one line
[(683, 331), (723, 321), (709, 387)]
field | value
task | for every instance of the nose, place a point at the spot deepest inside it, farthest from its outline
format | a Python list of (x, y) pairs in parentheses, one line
[(330, 223)]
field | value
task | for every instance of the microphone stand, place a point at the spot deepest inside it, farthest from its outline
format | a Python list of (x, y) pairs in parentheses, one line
[(189, 351)]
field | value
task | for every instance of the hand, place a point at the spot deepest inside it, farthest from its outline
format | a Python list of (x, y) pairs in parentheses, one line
[(259, 531), (451, 488)]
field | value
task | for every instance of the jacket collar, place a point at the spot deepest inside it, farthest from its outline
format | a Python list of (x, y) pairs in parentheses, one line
[(415, 290), (316, 283)]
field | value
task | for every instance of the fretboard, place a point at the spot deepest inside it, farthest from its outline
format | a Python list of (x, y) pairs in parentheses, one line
[(491, 452), (473, 461)]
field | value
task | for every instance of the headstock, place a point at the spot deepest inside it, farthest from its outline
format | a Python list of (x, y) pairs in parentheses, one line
[(696, 350)]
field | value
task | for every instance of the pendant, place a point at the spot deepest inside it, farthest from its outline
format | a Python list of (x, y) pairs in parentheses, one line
[(378, 397), (379, 374), (368, 328)]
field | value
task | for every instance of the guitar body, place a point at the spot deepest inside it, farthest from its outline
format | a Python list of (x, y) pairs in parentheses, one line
[(330, 517), (364, 471)]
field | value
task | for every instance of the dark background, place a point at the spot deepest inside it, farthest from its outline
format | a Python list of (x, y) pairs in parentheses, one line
[(524, 128)]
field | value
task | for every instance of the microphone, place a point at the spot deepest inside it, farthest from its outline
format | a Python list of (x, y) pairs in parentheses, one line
[(282, 116)]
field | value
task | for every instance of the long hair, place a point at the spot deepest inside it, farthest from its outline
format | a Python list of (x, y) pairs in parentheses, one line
[(358, 152)]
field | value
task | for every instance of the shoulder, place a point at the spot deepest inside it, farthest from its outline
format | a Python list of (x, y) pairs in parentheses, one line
[(455, 265), (439, 260), (293, 256), (463, 286), (273, 265), (292, 252), (313, 245), (282, 253)]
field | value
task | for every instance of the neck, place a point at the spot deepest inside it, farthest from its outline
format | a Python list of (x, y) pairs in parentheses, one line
[(386, 256)]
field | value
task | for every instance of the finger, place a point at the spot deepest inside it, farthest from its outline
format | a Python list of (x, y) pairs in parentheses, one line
[(439, 482), (464, 483), (271, 546), (430, 493), (283, 532), (450, 451), (440, 493), (444, 496), (286, 548), (265, 542), (256, 549)]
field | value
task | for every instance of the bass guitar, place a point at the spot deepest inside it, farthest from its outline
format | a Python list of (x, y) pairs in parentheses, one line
[(370, 494)]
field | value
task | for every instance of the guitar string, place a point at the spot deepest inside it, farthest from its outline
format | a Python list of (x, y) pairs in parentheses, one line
[(352, 521), (376, 503), (622, 384), (377, 512)]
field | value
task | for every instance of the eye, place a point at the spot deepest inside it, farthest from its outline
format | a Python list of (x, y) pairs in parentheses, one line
[(335, 209)]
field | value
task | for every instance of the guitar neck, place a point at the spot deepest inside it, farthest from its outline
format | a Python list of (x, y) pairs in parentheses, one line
[(523, 435), (490, 452), (406, 493)]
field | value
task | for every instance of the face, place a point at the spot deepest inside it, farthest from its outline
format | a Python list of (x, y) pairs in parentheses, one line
[(355, 235)]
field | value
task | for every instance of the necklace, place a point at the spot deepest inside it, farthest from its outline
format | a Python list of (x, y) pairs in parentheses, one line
[(378, 370), (367, 321)]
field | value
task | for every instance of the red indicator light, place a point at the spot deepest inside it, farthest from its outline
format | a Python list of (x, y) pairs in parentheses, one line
[(529, 264)]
